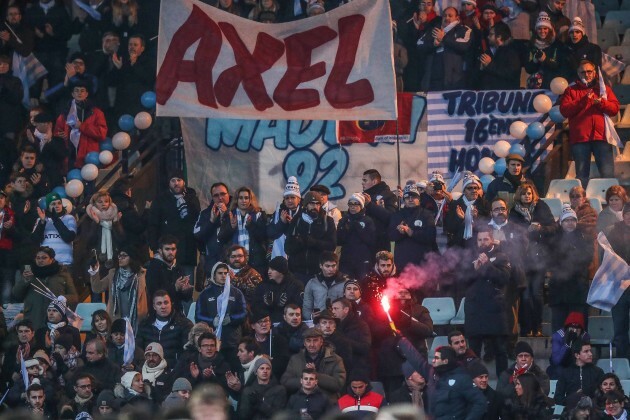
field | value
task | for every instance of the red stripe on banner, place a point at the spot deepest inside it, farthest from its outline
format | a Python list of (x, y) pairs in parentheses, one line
[(379, 130)]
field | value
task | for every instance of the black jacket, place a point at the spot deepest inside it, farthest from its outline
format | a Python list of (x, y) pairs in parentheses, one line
[(58, 18), (454, 225), (619, 238), (316, 404), (356, 235), (133, 223), (538, 410), (106, 372), (504, 71), (293, 335), (274, 297), (357, 332), (572, 253), (11, 110), (574, 378), (412, 249), (171, 337), (583, 50), (206, 234), (381, 214), (306, 242), (261, 401), (162, 277), (219, 366)]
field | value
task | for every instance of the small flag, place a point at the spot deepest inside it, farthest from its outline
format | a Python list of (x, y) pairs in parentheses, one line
[(611, 279), (130, 344), (23, 369)]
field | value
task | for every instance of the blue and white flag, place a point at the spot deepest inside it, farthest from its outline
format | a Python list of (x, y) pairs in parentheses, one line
[(24, 371), (29, 70), (95, 14), (611, 279), (222, 305), (130, 344)]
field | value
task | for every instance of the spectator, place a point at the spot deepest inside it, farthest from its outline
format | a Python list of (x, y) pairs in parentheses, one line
[(609, 382), (11, 93), (244, 277), (179, 396), (615, 405), (101, 65), (479, 373), (505, 186), (25, 347), (361, 400), (546, 59), (208, 401), (124, 18), (156, 372), (561, 342), (412, 391), (560, 22), (75, 75), (263, 397), (292, 327), (357, 237), (616, 197), (20, 38), (278, 290), (52, 275), (53, 153), (116, 348), (84, 399), (66, 359), (464, 212), (133, 222), (352, 292), (534, 214), (309, 399), (325, 287), (530, 402), (29, 166), (222, 307), (309, 236), (126, 285), (232, 7), (619, 238), (246, 225), (207, 366), (327, 323), (469, 14), (91, 27), (191, 348), (102, 231), (465, 355), (524, 363), (376, 280), (582, 104), (174, 212), (412, 228), (102, 326), (331, 373), (280, 221), (330, 209), (580, 48), (568, 287), (36, 402), (500, 67), (586, 215), (275, 347), (207, 227), (356, 331), (380, 204), (105, 372), (106, 403), (248, 353), (165, 326), (163, 273), (582, 377), (7, 227), (133, 390), (25, 207), (56, 229)]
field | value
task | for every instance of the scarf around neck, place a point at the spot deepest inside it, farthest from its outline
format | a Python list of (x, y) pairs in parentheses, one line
[(106, 219), (525, 211), (468, 218), (149, 373), (248, 368)]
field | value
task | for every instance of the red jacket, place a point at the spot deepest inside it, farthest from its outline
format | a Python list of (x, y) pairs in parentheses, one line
[(370, 402), (6, 241), (586, 118), (93, 130)]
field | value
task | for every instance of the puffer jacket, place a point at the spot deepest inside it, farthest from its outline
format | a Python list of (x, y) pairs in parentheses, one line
[(171, 337), (306, 242), (317, 294), (260, 401)]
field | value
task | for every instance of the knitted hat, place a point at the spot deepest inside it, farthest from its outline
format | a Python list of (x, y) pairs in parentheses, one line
[(477, 369), (53, 196), (106, 398), (60, 304), (181, 384), (523, 347), (567, 213), (436, 176), (358, 197), (473, 2), (324, 190), (65, 341), (83, 415), (577, 25), (31, 362), (514, 156), (41, 355), (575, 318), (411, 190), (422, 184), (119, 326), (44, 117), (280, 264), (155, 348), (312, 197), (351, 281), (544, 21), (292, 187), (489, 6), (258, 314), (470, 178), (313, 332), (127, 379), (175, 173), (261, 361)]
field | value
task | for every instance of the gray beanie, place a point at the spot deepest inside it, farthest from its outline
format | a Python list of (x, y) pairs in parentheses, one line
[(261, 361), (181, 384)]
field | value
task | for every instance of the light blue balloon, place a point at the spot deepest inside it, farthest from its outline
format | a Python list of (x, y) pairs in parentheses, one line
[(41, 203), (486, 180), (74, 174), (535, 130), (518, 149), (107, 144), (61, 191), (555, 115), (125, 122), (500, 166), (148, 99), (92, 157)]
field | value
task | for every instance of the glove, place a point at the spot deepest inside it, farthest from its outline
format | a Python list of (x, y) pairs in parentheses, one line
[(268, 298), (226, 320), (570, 337), (283, 299), (215, 321)]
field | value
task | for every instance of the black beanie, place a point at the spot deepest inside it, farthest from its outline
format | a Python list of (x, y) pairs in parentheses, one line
[(523, 347), (280, 264), (477, 369), (119, 326)]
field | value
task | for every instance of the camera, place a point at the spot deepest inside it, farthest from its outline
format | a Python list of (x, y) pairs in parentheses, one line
[(538, 54), (438, 186)]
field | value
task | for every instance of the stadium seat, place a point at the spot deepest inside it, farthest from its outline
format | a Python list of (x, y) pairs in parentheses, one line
[(625, 5), (620, 367), (596, 204), (439, 341), (559, 188), (622, 92), (617, 19), (624, 122), (441, 309), (191, 312), (625, 384), (607, 37), (555, 205), (378, 387), (460, 318), (604, 6), (85, 311), (601, 330), (552, 388), (597, 188)]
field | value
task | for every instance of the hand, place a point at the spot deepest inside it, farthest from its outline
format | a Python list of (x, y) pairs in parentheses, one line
[(483, 258), (475, 212), (311, 366), (534, 227), (94, 215), (268, 298), (77, 124), (438, 35), (182, 283), (117, 61), (41, 213), (283, 299), (49, 29), (403, 228), (485, 60), (36, 178), (226, 320), (232, 381), (380, 202), (248, 219), (398, 192), (285, 217), (133, 58), (8, 224), (208, 372), (38, 33), (70, 70), (214, 213), (27, 206), (460, 212), (475, 20), (542, 58), (29, 135), (215, 321), (367, 198), (5, 35), (194, 370)]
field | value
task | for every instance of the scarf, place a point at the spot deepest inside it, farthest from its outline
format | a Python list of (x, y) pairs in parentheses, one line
[(44, 138), (125, 279), (46, 6), (541, 44), (248, 368), (446, 30), (525, 211), (416, 397), (53, 327), (149, 373), (513, 179), (82, 401), (2, 213), (468, 218), (243, 234), (23, 350), (308, 219), (106, 220), (518, 372), (222, 304), (182, 206), (71, 121)]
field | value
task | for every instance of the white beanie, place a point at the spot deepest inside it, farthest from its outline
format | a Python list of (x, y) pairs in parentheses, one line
[(473, 2), (469, 178), (292, 187), (155, 348), (436, 176), (544, 21), (60, 304), (127, 379), (422, 184), (358, 197), (577, 25), (567, 212)]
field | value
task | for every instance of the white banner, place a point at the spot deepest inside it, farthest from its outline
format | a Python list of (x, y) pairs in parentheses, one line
[(334, 66)]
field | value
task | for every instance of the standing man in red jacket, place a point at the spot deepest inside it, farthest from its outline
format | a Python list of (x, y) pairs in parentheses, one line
[(585, 108)]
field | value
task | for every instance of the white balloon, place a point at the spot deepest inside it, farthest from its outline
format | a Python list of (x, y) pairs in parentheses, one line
[(74, 188), (142, 120), (89, 172), (542, 103), (502, 148), (486, 165), (121, 140), (67, 204), (518, 130), (558, 85), (105, 157)]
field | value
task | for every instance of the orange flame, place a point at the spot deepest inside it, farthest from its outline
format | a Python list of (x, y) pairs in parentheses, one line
[(385, 304)]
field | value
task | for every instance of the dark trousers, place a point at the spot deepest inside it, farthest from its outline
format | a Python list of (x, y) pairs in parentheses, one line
[(498, 344), (532, 302), (621, 323), (603, 153)]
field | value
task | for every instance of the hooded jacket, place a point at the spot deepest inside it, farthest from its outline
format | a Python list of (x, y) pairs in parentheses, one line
[(381, 214), (318, 295), (361, 407), (356, 235), (306, 242), (274, 297)]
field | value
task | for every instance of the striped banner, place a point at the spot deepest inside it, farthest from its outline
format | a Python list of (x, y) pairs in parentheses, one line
[(611, 279), (464, 125)]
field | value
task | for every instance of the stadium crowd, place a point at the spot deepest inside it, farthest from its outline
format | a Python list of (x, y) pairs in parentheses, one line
[(230, 312)]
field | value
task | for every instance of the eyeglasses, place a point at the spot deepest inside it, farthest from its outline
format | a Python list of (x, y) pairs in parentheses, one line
[(123, 256), (84, 386), (500, 210)]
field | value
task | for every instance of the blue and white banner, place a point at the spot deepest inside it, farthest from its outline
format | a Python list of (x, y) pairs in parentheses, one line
[(611, 279), (464, 125)]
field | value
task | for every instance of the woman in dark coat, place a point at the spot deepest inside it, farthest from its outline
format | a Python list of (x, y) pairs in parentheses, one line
[(547, 57), (356, 235), (530, 403), (533, 214)]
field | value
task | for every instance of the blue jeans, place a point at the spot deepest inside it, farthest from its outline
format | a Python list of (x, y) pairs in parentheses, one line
[(603, 153), (621, 322)]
